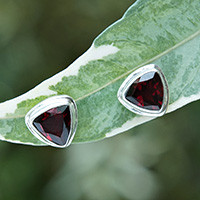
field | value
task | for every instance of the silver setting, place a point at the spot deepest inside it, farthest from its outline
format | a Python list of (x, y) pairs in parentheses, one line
[(133, 77), (46, 105)]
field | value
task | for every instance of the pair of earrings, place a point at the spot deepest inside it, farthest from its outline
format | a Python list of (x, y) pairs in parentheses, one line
[(54, 120)]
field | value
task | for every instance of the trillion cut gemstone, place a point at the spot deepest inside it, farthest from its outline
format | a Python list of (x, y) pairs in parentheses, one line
[(54, 124), (146, 92)]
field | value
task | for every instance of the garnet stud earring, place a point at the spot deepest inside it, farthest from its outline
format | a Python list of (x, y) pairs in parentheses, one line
[(145, 91), (53, 121)]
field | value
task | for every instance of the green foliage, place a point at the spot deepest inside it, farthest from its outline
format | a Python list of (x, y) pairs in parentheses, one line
[(158, 160), (150, 32)]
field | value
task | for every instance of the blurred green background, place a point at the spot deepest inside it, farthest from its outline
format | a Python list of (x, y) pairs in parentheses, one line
[(158, 160)]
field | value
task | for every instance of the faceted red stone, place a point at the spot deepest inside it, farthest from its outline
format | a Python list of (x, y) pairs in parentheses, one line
[(146, 92), (54, 124)]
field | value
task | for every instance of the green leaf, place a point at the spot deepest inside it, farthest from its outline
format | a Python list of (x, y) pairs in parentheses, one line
[(166, 33)]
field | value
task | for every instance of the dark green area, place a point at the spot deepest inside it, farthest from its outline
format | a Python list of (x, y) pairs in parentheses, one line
[(37, 40), (41, 38)]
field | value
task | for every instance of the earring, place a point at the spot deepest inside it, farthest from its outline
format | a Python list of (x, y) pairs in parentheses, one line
[(145, 91), (54, 120)]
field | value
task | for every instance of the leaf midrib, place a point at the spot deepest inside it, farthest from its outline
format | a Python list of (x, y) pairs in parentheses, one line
[(145, 63), (128, 72)]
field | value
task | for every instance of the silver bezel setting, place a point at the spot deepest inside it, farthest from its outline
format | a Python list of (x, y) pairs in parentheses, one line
[(46, 105), (133, 77)]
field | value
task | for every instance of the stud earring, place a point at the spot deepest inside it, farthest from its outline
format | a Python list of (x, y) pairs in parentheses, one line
[(145, 91), (54, 120)]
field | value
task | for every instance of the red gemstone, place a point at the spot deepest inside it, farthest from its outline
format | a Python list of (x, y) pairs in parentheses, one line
[(54, 124), (146, 92)]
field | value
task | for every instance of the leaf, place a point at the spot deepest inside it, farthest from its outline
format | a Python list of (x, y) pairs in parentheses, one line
[(166, 33)]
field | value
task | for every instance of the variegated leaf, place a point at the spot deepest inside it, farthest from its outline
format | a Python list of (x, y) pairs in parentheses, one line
[(166, 33)]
